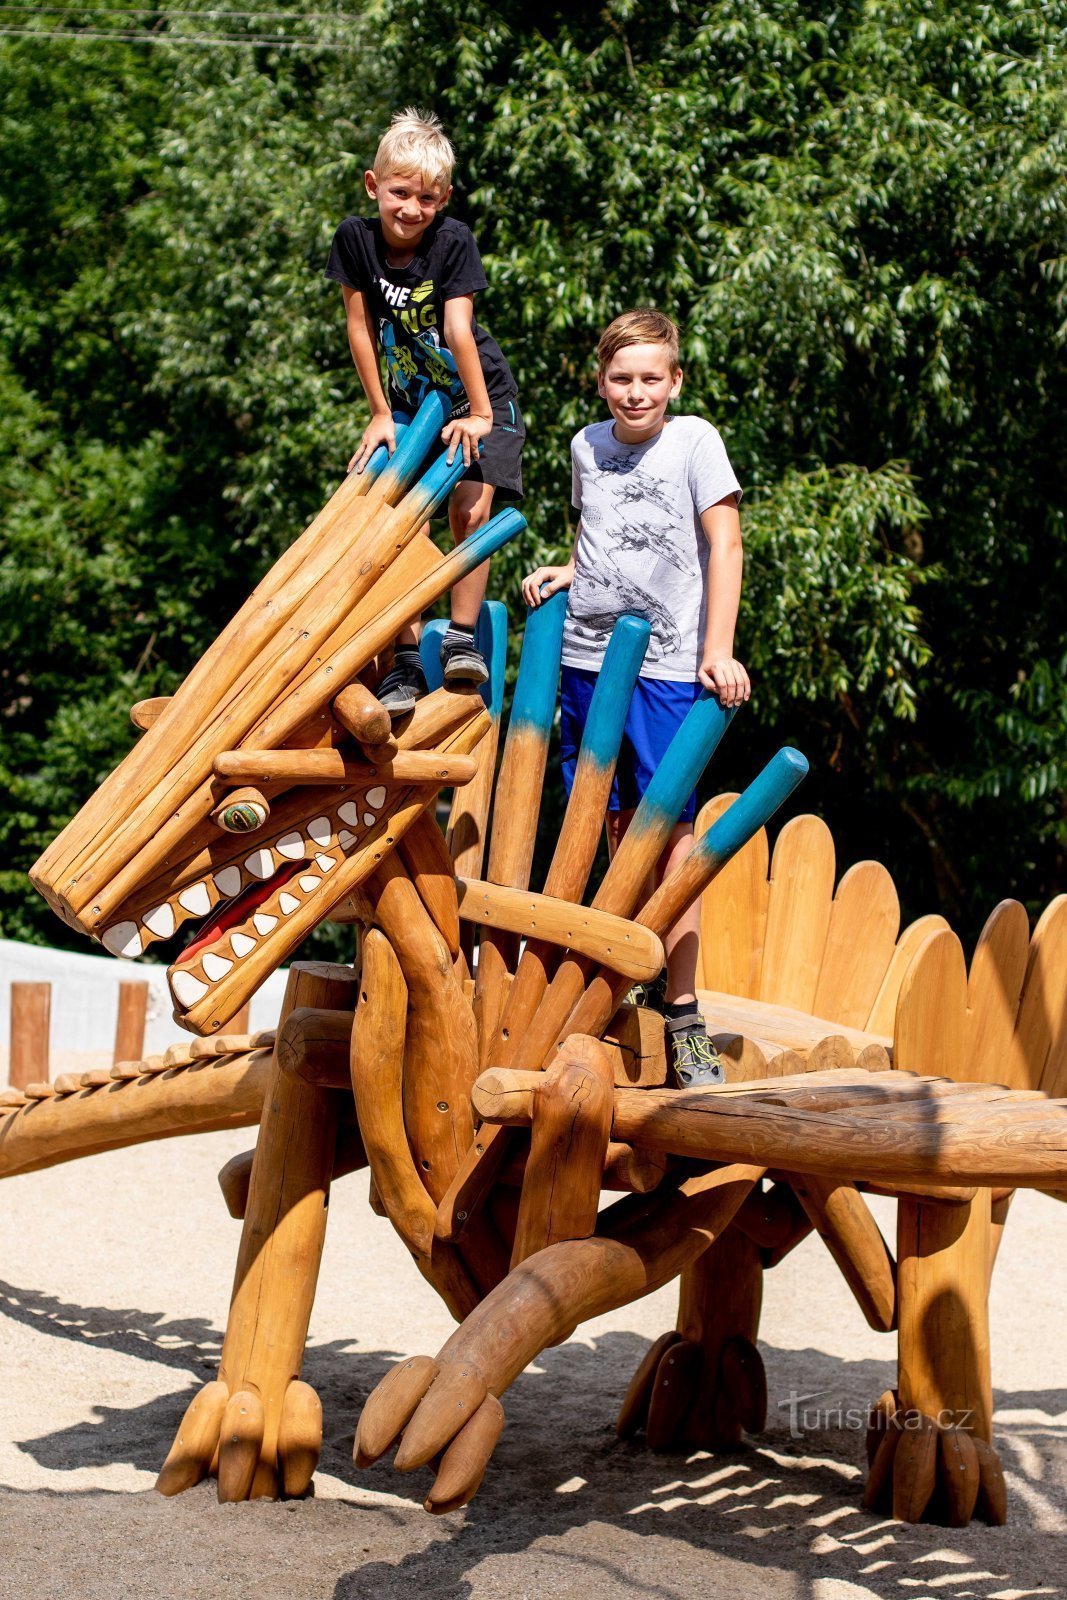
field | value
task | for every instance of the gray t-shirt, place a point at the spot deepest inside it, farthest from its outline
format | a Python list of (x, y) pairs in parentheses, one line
[(642, 548)]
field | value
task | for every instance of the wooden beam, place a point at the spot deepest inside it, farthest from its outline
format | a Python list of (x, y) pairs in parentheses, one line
[(622, 945), (330, 766)]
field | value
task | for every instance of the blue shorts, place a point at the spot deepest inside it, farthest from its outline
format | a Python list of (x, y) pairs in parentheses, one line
[(657, 710)]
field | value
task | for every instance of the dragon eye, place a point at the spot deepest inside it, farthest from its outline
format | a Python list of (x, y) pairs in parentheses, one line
[(243, 812)]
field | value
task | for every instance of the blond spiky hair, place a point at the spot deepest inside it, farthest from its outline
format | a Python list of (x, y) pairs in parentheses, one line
[(415, 142)]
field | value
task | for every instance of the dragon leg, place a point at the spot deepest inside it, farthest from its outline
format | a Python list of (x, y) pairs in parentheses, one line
[(929, 1445), (452, 1404), (257, 1419)]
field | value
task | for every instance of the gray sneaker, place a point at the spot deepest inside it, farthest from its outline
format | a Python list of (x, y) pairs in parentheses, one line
[(461, 662), (695, 1062), (403, 685)]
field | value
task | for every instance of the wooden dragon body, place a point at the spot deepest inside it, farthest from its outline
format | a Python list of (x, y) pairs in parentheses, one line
[(480, 1055)]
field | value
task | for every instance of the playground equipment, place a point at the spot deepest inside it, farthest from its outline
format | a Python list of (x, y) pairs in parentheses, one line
[(494, 1100)]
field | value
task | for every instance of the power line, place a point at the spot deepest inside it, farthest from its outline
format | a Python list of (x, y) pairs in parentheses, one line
[(165, 15), (174, 40)]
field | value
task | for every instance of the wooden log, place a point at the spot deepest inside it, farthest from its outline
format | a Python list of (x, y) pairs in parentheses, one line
[(244, 683), (1040, 1044), (425, 854), (733, 912), (314, 1045), (632, 1171), (518, 800), (914, 1466), (720, 1297), (576, 847), (793, 1030), (195, 1442), (377, 1066), (798, 913), (883, 1011), (440, 1047), (329, 766), (614, 941), (69, 1124), (299, 1438), (31, 1008), (994, 989), (236, 1174), (207, 1013), (841, 1219), (464, 1462), (943, 1289), (366, 719), (635, 1038), (145, 713), (860, 940), (928, 1034), (284, 1228), (769, 1216), (643, 1244), (569, 1141), (1017, 1146), (634, 1408), (560, 1012), (130, 1023)]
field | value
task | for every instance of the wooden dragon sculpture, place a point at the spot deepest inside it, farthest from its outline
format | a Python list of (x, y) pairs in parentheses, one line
[(495, 1093)]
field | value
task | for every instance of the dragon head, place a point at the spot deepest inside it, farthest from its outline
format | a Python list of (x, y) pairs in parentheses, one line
[(254, 803)]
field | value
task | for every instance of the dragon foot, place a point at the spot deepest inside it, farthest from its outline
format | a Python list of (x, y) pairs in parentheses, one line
[(442, 1412), (683, 1395), (226, 1434), (922, 1468)]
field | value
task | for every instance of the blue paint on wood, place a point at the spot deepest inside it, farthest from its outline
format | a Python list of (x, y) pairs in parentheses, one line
[(490, 637), (533, 704), (437, 483), (422, 432), (614, 689), (751, 810), (686, 757)]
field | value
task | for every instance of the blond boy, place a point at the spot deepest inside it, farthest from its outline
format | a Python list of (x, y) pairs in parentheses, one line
[(658, 535), (409, 276)]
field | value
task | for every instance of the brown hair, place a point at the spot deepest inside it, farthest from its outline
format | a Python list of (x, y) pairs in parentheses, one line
[(638, 327)]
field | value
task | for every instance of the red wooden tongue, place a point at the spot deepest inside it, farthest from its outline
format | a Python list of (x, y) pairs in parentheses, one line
[(235, 911)]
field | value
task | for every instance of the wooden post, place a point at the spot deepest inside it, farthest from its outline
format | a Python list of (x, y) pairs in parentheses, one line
[(281, 1243), (31, 1006), (129, 1025)]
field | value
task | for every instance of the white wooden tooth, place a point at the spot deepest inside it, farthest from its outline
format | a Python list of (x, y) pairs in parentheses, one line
[(263, 923), (186, 989), (260, 863), (307, 884), (320, 829), (289, 903), (241, 944), (324, 863), (349, 812), (124, 939), (215, 966), (228, 882), (376, 796), (369, 818), (160, 921), (292, 846), (344, 838), (196, 899)]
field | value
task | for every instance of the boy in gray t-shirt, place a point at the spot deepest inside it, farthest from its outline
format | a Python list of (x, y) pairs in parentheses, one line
[(659, 536)]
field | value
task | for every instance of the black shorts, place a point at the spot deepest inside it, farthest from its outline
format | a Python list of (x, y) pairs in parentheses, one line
[(500, 462)]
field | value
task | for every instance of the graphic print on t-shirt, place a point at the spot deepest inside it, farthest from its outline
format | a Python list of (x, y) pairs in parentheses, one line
[(642, 547)]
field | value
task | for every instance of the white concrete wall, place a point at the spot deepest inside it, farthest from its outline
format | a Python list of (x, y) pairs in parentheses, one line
[(85, 1002)]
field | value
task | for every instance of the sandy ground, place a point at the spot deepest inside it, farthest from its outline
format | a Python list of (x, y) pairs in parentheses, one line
[(114, 1280)]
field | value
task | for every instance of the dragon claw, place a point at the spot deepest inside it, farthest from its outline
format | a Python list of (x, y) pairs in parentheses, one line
[(921, 1467)]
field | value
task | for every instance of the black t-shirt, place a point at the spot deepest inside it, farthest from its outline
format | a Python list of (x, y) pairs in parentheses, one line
[(408, 304)]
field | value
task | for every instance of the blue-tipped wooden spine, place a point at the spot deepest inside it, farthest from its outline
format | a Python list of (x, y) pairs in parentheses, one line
[(533, 704), (753, 808), (411, 452), (685, 759), (490, 638), (614, 689)]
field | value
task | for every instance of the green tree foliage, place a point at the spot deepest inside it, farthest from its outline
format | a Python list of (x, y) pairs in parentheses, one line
[(856, 213)]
